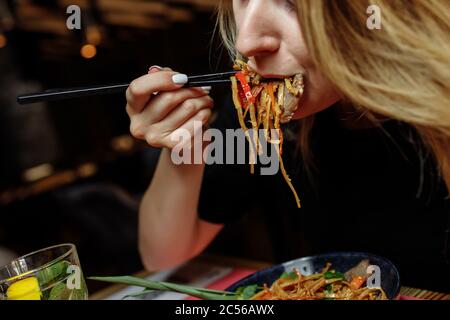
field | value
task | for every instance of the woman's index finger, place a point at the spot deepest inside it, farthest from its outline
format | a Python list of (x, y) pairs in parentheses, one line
[(141, 89)]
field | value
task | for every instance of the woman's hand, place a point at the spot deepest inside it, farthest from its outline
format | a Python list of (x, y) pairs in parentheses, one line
[(157, 106)]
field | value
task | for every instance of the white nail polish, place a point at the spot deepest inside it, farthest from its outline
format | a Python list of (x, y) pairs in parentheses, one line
[(180, 78), (207, 89)]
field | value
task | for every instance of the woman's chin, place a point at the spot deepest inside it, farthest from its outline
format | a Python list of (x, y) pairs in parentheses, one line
[(305, 112), (309, 108)]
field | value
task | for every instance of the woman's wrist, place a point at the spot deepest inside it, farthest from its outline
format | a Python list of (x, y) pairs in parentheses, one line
[(189, 157)]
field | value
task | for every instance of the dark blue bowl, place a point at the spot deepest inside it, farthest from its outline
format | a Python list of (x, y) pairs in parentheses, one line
[(341, 262)]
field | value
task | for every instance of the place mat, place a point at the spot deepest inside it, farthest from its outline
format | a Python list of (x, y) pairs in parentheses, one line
[(419, 294)]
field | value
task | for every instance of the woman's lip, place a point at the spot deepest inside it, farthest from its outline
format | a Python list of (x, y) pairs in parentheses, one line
[(275, 76), (299, 70)]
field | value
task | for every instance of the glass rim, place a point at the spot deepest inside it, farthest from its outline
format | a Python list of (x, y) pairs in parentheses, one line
[(71, 249)]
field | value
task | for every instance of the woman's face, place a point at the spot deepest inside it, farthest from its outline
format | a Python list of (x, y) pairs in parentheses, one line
[(269, 35)]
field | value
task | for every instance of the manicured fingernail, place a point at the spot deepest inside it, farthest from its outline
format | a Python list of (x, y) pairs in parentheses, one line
[(154, 68), (207, 89), (180, 78)]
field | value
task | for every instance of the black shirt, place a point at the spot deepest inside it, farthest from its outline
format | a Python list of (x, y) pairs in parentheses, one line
[(373, 190)]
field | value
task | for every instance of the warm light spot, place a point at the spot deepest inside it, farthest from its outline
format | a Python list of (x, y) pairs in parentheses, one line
[(93, 35), (87, 170), (37, 173), (88, 51), (123, 143), (3, 41)]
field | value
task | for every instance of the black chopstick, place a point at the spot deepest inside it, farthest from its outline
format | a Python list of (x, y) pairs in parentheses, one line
[(214, 76), (63, 94), (206, 83)]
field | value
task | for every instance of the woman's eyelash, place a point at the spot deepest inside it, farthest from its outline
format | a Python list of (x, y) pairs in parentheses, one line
[(291, 5)]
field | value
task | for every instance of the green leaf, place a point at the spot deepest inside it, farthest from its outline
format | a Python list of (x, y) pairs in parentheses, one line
[(57, 292), (328, 289), (60, 291), (137, 294), (246, 292), (289, 275), (80, 294), (333, 275), (201, 293), (52, 273)]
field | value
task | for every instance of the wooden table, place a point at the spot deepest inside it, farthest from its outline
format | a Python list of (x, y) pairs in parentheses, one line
[(220, 261)]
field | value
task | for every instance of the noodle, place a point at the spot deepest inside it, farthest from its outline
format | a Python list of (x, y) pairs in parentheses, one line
[(328, 284), (266, 105), (238, 106)]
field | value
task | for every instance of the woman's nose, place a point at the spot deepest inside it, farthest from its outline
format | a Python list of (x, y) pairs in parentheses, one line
[(257, 34)]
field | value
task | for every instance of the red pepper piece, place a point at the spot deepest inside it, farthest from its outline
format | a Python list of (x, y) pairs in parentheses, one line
[(245, 87)]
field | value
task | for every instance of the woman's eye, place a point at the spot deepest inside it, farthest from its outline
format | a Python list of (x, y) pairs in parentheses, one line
[(291, 5)]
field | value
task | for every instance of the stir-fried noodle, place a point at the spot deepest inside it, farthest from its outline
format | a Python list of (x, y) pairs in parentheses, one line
[(328, 284), (265, 104)]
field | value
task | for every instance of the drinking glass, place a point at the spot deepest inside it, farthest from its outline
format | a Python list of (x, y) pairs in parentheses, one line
[(53, 273)]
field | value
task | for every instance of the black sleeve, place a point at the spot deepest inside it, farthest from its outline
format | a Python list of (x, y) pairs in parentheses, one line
[(227, 189)]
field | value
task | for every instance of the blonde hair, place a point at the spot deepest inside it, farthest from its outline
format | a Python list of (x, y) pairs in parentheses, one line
[(401, 71)]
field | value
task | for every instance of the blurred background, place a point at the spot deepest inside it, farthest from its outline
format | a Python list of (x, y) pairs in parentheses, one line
[(70, 171)]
